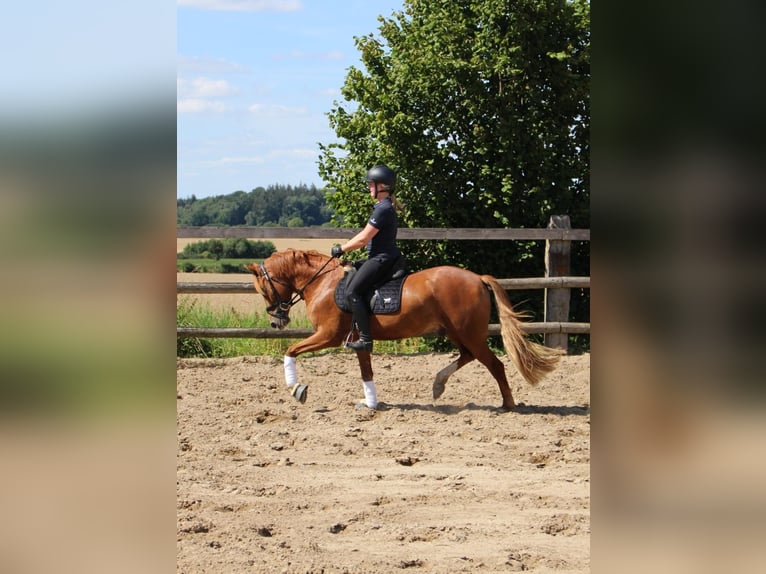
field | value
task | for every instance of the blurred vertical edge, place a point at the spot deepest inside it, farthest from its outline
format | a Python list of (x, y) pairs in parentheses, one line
[(679, 276), (87, 205)]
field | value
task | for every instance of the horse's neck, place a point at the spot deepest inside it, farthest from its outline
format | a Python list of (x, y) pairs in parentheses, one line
[(303, 276)]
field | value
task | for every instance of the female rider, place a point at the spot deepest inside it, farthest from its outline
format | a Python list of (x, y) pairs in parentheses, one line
[(379, 235)]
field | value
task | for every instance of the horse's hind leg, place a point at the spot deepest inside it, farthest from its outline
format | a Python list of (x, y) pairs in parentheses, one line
[(480, 351), (440, 381), (486, 357)]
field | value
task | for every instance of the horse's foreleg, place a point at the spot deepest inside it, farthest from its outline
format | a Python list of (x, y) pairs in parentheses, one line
[(368, 384), (315, 342), (440, 381), (299, 392)]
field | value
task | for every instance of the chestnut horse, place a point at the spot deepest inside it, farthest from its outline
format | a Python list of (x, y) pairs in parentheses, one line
[(441, 300)]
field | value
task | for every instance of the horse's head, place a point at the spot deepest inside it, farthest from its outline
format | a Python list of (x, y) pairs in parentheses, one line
[(282, 280), (275, 292)]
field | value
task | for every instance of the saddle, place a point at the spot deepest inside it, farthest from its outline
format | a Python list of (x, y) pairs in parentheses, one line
[(384, 298)]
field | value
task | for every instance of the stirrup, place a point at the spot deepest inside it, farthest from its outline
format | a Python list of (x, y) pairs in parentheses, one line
[(360, 345)]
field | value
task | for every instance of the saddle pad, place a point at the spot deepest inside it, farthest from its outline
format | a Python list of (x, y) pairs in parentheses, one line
[(383, 300)]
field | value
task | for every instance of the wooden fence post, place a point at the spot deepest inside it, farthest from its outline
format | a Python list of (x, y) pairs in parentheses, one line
[(556, 265)]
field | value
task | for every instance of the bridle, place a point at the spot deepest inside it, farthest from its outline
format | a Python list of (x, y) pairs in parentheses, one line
[(281, 307)]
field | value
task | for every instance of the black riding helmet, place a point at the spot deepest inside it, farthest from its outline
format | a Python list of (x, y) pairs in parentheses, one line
[(383, 174)]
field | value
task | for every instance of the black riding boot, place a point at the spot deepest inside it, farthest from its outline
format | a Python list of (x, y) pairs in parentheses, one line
[(361, 314)]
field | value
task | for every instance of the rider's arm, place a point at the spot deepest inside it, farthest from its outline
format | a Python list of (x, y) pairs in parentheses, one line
[(360, 239)]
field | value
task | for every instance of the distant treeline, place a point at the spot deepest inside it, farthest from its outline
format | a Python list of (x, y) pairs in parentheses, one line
[(229, 248), (274, 206), (221, 255)]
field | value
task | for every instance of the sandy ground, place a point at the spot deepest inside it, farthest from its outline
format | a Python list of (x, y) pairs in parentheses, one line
[(265, 484)]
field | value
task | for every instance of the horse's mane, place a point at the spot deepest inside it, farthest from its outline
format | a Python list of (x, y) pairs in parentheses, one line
[(287, 261)]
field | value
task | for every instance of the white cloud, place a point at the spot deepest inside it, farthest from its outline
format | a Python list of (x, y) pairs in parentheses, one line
[(295, 54), (244, 5), (307, 153), (199, 95), (208, 65), (203, 88), (239, 160), (276, 111), (334, 56), (197, 105), (267, 157)]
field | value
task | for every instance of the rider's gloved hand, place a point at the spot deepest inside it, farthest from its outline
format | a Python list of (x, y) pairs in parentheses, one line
[(336, 251)]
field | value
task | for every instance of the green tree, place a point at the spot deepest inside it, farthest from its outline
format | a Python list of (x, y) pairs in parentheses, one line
[(482, 107)]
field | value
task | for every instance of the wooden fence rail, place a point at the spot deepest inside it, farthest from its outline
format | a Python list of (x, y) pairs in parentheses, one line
[(404, 233), (557, 237), (508, 284), (266, 333)]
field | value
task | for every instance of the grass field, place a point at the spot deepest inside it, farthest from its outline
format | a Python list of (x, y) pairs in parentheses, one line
[(322, 245)]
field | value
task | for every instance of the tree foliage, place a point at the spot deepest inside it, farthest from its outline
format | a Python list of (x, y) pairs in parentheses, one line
[(482, 107), (276, 205)]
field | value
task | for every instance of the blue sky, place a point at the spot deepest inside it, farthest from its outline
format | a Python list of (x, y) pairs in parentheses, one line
[(255, 79)]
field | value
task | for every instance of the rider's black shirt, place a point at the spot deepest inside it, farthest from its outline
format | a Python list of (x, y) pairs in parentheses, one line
[(384, 219)]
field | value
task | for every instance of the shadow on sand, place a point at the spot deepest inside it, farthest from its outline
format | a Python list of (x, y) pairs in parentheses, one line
[(521, 409)]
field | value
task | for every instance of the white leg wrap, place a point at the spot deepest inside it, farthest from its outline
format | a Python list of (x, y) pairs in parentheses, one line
[(291, 376), (370, 396)]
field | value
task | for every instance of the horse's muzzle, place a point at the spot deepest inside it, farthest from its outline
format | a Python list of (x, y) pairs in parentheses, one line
[(279, 320)]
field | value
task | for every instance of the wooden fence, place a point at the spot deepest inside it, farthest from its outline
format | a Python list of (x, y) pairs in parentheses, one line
[(556, 283)]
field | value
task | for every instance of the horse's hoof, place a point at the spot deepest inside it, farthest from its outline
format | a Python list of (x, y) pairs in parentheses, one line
[(299, 392), (439, 387), (362, 405)]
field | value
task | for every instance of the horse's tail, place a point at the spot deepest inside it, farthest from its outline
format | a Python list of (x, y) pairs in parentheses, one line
[(533, 360)]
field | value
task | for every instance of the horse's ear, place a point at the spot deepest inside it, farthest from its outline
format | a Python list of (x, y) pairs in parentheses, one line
[(252, 267)]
